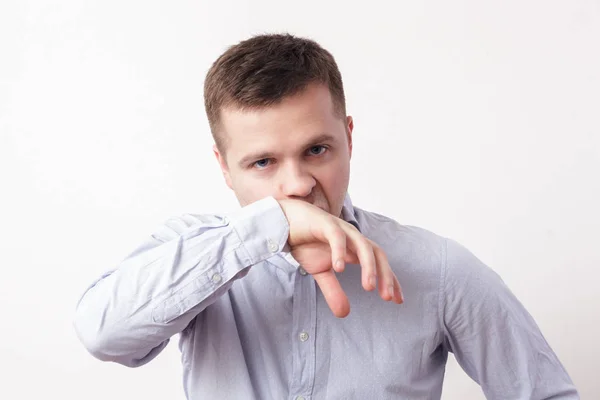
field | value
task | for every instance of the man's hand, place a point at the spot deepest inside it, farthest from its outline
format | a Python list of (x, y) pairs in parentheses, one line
[(323, 244)]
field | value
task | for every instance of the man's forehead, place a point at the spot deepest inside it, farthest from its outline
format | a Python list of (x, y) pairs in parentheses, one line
[(314, 104)]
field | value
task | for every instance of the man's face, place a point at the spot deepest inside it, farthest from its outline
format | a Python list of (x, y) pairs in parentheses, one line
[(297, 149)]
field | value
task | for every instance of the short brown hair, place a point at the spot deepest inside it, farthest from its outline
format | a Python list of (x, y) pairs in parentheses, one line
[(261, 71)]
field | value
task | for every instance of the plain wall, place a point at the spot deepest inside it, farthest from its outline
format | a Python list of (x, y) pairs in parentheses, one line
[(477, 120)]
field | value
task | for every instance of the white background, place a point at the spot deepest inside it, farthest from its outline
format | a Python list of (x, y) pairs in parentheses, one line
[(476, 120)]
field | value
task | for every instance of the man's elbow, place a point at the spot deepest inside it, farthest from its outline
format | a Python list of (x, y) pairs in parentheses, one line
[(96, 341), (110, 347)]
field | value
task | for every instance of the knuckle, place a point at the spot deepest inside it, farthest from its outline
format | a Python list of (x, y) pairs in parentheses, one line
[(337, 235), (328, 226), (366, 243), (383, 256), (348, 224), (379, 252)]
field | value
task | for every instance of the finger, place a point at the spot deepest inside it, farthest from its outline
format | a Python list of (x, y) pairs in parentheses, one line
[(362, 247), (336, 238), (333, 293), (398, 296), (389, 286), (387, 280), (351, 258)]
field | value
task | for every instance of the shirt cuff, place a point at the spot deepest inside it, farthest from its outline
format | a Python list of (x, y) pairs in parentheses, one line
[(262, 228)]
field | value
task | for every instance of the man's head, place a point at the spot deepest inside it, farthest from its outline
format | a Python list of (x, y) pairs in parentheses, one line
[(276, 109)]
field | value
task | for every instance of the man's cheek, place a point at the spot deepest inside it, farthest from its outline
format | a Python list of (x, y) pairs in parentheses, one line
[(255, 190)]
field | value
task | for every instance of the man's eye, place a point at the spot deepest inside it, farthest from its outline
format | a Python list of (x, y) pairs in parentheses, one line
[(261, 163), (317, 150)]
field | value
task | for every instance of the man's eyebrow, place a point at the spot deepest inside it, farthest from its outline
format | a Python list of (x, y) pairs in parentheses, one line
[(260, 155), (323, 137)]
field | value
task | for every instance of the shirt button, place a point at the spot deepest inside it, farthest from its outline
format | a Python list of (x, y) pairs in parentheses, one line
[(302, 271), (299, 397), (272, 246), (303, 336), (216, 278)]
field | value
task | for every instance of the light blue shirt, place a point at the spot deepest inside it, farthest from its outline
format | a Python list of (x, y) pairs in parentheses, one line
[(254, 325)]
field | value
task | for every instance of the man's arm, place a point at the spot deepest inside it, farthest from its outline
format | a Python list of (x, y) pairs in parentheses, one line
[(129, 314), (494, 339)]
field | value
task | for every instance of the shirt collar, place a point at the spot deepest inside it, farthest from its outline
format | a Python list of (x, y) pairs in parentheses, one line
[(348, 213)]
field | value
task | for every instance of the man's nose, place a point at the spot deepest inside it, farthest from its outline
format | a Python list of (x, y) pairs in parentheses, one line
[(297, 182)]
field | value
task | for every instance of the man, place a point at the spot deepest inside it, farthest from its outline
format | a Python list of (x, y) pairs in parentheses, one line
[(261, 296)]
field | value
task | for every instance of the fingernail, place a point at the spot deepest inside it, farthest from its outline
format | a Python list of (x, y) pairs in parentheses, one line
[(373, 281), (391, 292), (339, 264)]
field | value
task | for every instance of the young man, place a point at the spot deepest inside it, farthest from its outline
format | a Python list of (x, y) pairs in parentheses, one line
[(261, 296)]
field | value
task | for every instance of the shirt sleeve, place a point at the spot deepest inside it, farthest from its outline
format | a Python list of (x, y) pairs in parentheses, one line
[(494, 339), (128, 315)]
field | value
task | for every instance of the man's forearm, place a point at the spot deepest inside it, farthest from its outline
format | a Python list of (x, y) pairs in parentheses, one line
[(128, 315)]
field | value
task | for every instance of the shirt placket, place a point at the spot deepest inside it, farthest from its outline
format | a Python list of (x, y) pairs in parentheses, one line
[(303, 336)]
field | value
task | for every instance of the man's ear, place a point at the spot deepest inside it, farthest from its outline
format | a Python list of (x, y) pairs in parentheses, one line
[(223, 165), (349, 129)]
